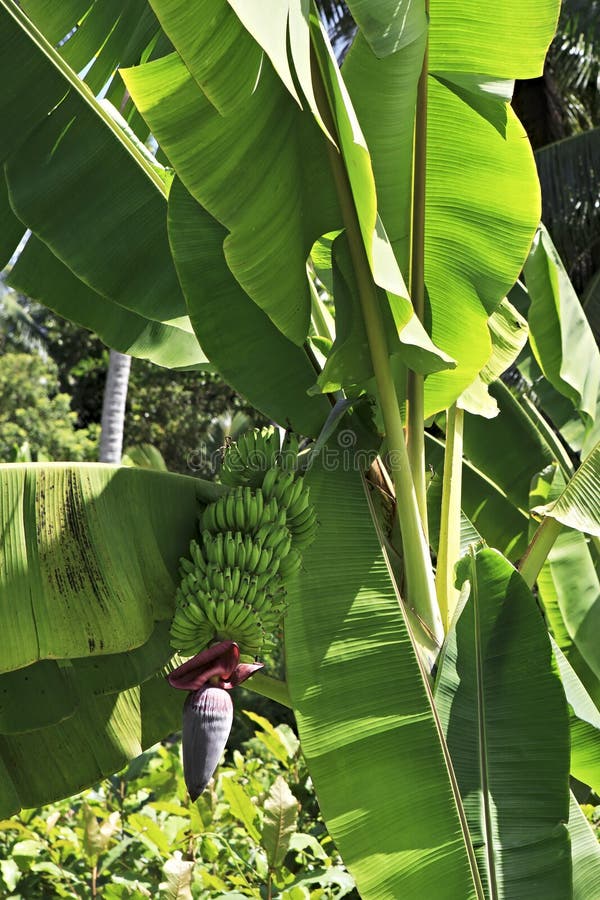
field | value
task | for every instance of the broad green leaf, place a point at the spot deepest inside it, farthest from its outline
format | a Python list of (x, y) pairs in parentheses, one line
[(482, 94), (579, 504), (368, 729), (272, 26), (349, 364), (575, 583), (56, 19), (389, 25), (42, 276), (506, 723), (584, 724), (509, 449), (113, 33), (263, 192), (38, 695), (103, 734), (75, 158), (89, 556), (39, 85), (585, 854), (568, 581), (49, 691), (272, 372), (241, 806), (558, 324), (384, 95), (79, 152), (475, 175), (114, 672), (279, 822), (11, 229), (145, 456), (415, 345), (508, 331), (504, 40), (95, 38)]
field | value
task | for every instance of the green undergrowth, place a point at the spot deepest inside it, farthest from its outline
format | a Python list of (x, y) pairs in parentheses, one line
[(255, 832)]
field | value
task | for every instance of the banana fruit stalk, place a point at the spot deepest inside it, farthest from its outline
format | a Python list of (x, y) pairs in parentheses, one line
[(233, 585)]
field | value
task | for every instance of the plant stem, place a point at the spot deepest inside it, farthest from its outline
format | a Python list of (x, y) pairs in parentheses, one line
[(538, 549), (269, 687), (449, 545), (416, 285), (420, 588)]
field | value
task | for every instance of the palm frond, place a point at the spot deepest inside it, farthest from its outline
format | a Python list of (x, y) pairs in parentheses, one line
[(569, 172)]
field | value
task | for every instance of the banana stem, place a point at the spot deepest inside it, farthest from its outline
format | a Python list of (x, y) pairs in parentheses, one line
[(540, 546), (420, 587), (449, 545), (415, 381)]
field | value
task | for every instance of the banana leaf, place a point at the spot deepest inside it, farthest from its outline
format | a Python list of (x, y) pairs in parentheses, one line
[(578, 506), (89, 557), (102, 735), (585, 853), (77, 152), (558, 323), (368, 727), (505, 719)]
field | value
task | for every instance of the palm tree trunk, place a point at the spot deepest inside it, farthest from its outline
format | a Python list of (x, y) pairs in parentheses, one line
[(113, 407)]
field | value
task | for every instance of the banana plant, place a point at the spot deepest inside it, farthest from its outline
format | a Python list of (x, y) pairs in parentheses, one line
[(339, 245)]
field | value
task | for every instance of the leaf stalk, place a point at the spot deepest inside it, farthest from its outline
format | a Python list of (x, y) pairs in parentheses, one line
[(449, 542), (420, 587), (416, 286), (540, 546)]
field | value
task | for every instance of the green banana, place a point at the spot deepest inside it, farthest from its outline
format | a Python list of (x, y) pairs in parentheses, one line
[(233, 583)]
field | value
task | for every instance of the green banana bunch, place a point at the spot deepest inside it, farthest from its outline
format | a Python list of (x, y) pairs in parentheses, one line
[(257, 451), (233, 583)]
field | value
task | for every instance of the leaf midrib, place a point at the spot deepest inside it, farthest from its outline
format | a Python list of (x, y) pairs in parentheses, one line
[(82, 90), (482, 739)]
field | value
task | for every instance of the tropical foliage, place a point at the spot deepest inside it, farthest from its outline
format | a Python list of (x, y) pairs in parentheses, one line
[(137, 834), (35, 412), (339, 246)]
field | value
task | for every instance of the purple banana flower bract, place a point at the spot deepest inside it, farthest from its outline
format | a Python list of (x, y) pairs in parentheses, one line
[(208, 710)]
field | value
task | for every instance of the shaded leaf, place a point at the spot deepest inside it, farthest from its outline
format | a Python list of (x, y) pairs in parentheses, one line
[(273, 373), (558, 324), (43, 277), (90, 556), (579, 504)]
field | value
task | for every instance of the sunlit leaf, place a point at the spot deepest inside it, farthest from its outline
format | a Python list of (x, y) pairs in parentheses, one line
[(505, 719)]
